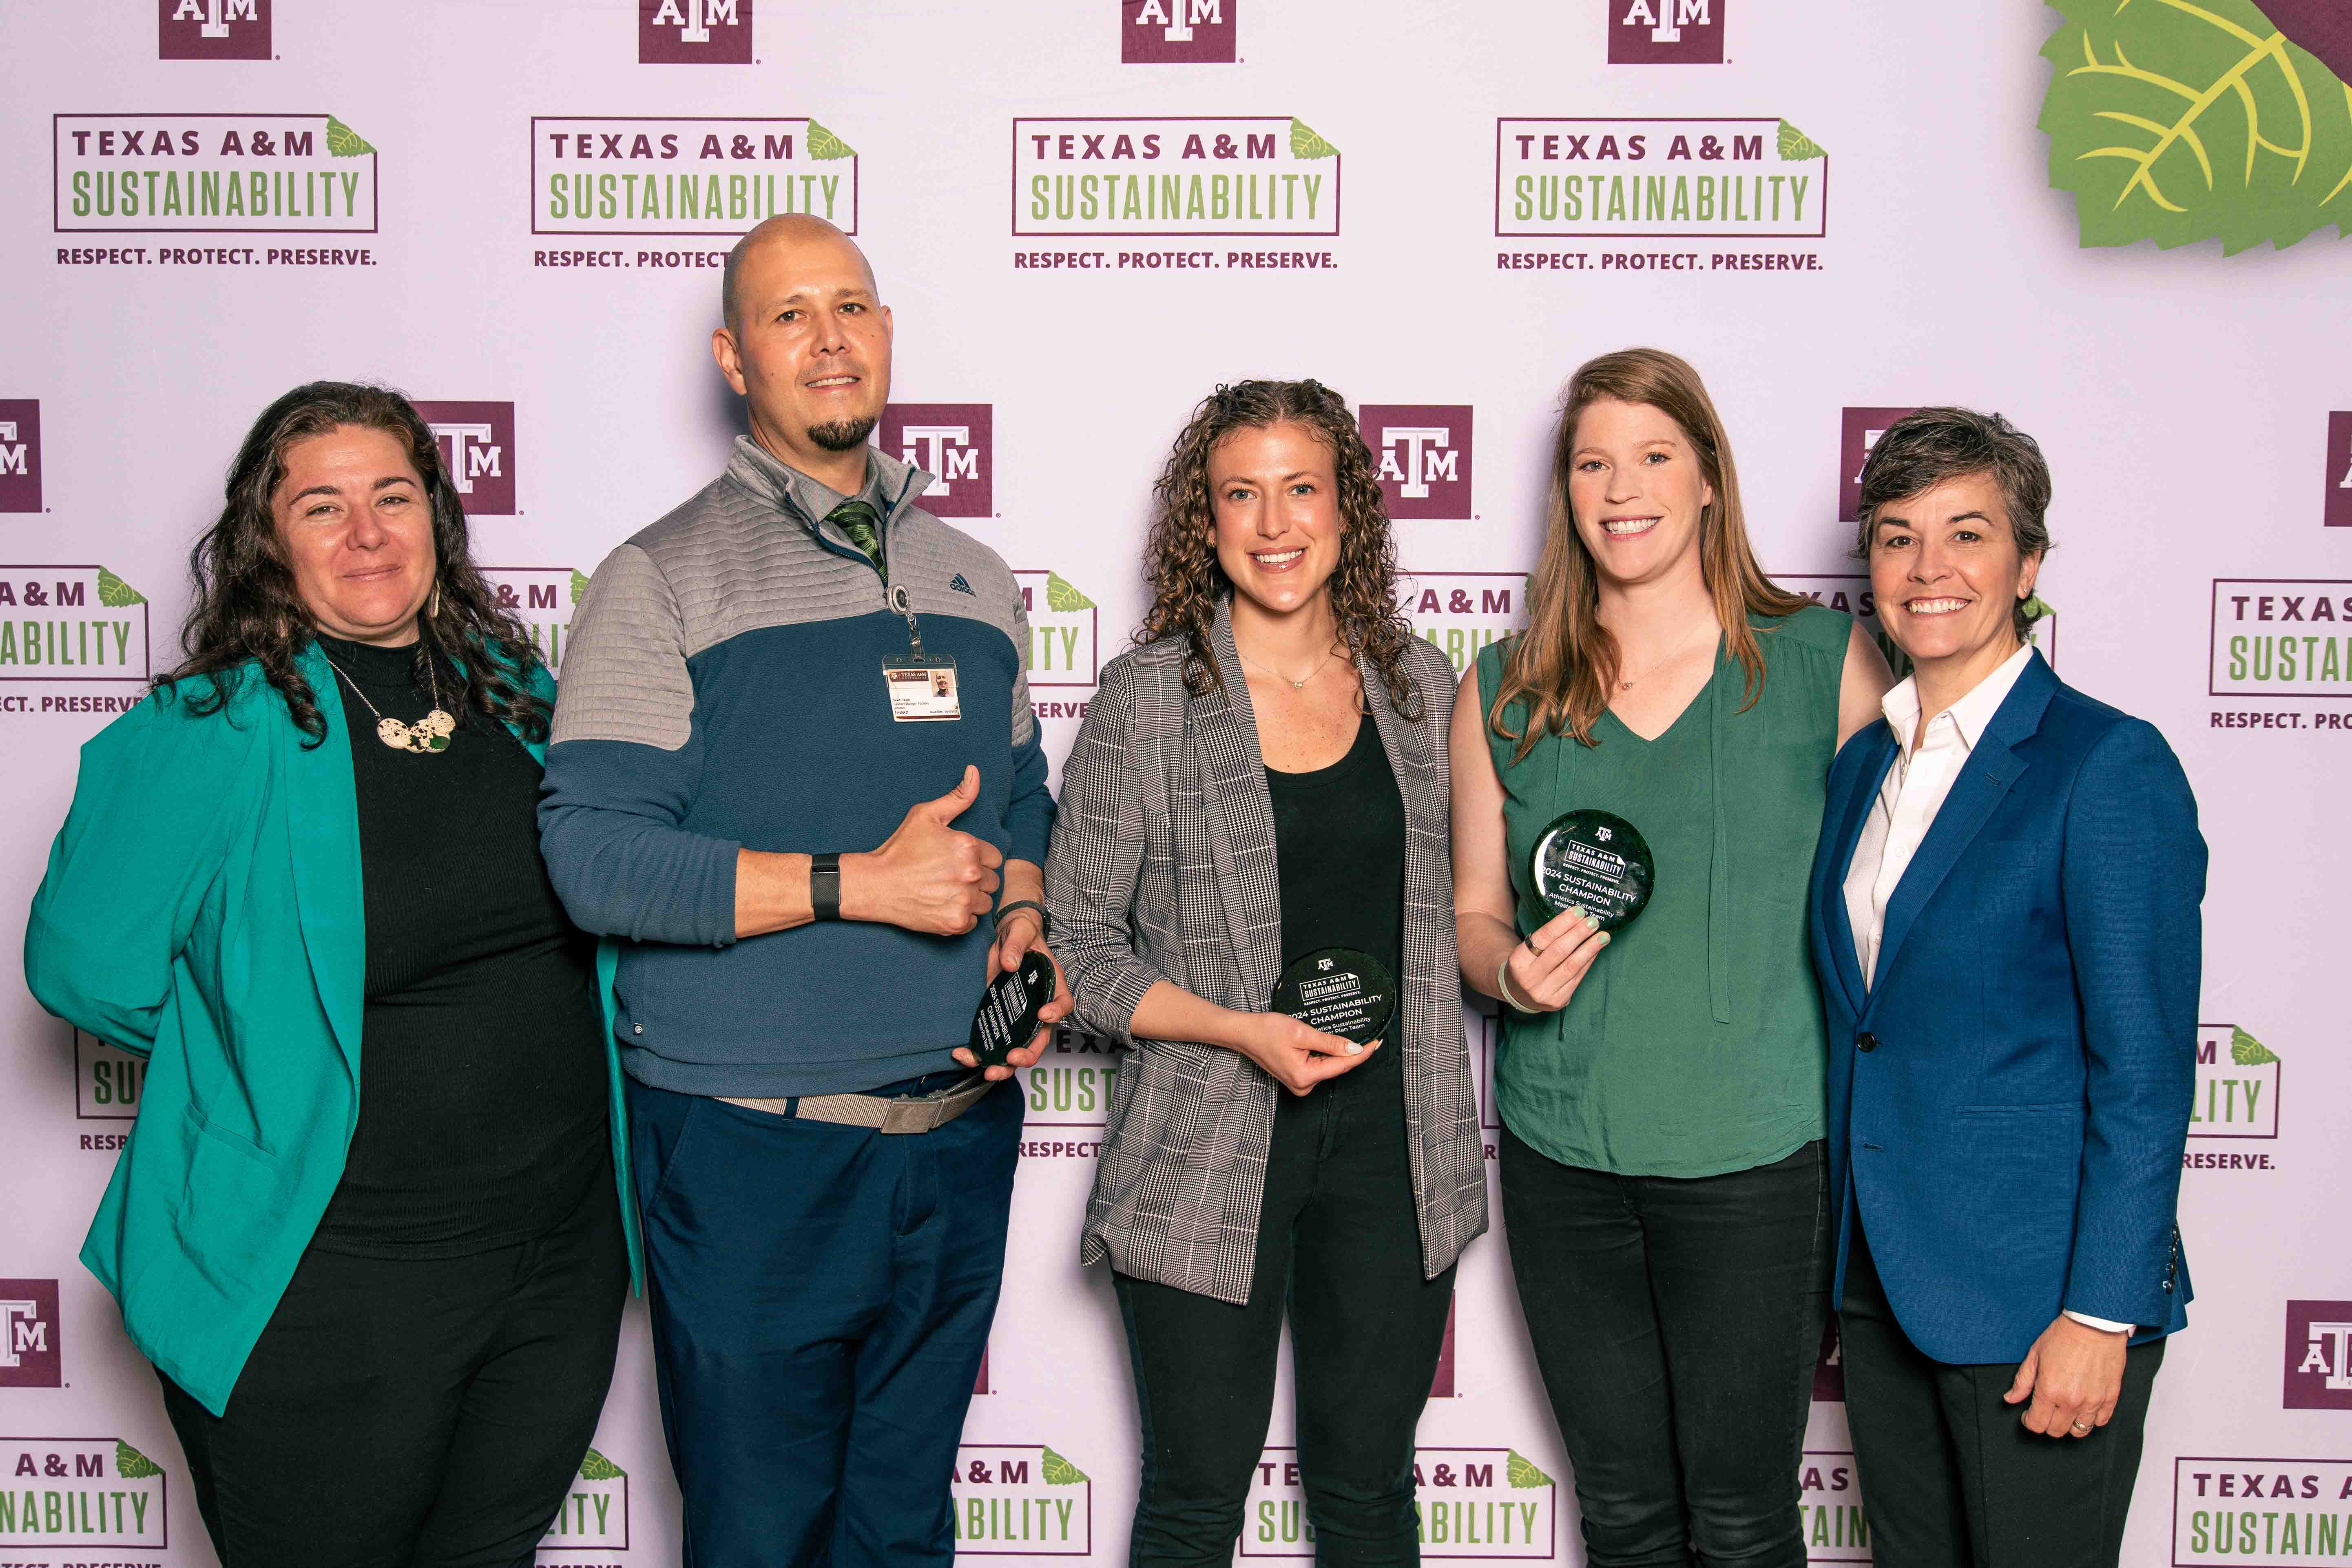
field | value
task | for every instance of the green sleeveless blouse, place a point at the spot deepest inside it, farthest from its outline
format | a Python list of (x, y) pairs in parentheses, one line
[(1695, 1046)]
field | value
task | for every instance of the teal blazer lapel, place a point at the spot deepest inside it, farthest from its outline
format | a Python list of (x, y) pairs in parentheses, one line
[(1991, 768), (323, 833), (1853, 815)]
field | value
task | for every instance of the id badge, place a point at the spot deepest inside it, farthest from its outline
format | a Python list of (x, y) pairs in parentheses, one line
[(922, 688)]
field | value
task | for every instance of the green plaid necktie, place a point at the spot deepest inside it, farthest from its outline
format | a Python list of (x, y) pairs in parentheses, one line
[(862, 524)]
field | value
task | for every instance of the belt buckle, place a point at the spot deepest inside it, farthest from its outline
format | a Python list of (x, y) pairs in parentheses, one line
[(910, 1116)]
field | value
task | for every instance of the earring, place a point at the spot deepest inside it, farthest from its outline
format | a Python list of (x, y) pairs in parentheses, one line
[(433, 604)]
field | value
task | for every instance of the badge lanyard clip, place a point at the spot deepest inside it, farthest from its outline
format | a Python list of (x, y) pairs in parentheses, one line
[(905, 607), (923, 686)]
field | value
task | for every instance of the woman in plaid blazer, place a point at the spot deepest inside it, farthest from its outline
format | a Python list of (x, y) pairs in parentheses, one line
[(1262, 777)]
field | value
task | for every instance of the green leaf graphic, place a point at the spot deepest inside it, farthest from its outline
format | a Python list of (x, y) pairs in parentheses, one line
[(1060, 596), (2247, 1051), (2179, 120), (597, 1467), (1305, 144), (1522, 1472), (130, 1464), (343, 141), (114, 593), (824, 146), (1058, 1471), (1796, 147), (579, 584)]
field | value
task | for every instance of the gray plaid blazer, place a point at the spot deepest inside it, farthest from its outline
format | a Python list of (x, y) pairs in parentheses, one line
[(1163, 866)]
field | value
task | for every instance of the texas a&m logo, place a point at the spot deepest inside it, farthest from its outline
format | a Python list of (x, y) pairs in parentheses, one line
[(1423, 451), (952, 442), (694, 32), (212, 29), (2318, 1355), (1859, 431), (476, 443), (1163, 32), (29, 1356), (20, 454), (2337, 512), (1483, 1503), (1665, 32)]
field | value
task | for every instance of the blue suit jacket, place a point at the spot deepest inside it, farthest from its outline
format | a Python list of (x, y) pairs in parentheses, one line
[(2009, 1098)]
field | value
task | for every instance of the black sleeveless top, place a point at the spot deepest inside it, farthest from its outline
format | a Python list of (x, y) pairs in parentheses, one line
[(1339, 842)]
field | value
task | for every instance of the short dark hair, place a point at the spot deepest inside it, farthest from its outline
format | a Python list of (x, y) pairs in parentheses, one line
[(1924, 449)]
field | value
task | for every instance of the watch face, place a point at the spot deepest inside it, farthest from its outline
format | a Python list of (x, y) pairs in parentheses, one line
[(1594, 861), (1339, 991), (1008, 1012)]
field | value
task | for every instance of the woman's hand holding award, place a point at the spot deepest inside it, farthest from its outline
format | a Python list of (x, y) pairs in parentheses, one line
[(1592, 872), (1339, 991), (1593, 861)]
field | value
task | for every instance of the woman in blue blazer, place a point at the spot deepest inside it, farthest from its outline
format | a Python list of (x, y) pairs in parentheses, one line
[(2004, 915), (373, 1208)]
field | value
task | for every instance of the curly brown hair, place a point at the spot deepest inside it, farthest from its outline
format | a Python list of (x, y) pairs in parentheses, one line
[(1181, 555)]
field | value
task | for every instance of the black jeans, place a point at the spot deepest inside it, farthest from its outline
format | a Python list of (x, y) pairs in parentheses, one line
[(415, 1413), (1951, 1476), (1676, 1322), (1338, 1245)]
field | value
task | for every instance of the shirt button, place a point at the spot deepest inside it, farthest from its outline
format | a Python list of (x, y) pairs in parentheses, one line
[(1866, 1041), (637, 1029)]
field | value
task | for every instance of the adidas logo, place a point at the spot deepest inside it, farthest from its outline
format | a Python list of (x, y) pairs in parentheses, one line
[(959, 585)]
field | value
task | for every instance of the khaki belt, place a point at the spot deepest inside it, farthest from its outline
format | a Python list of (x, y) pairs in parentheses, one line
[(909, 1113)]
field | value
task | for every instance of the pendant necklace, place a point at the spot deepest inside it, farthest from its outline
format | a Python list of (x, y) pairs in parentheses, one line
[(429, 735), (1299, 685), (1625, 683)]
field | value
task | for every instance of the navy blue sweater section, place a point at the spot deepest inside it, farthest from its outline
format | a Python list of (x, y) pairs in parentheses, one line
[(792, 748)]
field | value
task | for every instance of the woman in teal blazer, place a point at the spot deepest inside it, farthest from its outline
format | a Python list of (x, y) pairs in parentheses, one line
[(374, 1203)]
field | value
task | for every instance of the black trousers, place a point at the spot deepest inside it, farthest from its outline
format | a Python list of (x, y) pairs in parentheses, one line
[(1339, 1248), (1676, 1322), (415, 1413), (1950, 1477)]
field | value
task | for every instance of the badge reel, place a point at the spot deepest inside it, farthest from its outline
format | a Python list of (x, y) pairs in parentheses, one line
[(1008, 1012), (1339, 991), (921, 687), (1597, 862)]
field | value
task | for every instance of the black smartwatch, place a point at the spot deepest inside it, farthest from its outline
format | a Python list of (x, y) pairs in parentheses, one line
[(825, 887)]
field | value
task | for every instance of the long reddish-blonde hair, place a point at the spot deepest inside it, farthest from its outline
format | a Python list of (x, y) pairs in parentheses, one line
[(1564, 666)]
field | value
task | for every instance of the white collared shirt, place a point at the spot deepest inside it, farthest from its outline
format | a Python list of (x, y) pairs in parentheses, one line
[(1926, 768)]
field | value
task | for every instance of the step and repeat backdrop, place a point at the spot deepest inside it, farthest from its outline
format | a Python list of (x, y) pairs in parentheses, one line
[(2118, 224)]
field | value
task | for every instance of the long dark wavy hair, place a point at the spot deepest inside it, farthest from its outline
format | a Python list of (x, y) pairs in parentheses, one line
[(1181, 555), (246, 609)]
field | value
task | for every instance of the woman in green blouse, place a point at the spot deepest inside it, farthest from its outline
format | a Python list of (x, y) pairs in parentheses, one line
[(1661, 1086)]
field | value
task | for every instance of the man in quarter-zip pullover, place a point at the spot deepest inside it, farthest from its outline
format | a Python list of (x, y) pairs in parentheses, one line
[(795, 775)]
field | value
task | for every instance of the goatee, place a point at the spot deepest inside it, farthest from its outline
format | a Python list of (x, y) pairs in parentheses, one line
[(841, 435)]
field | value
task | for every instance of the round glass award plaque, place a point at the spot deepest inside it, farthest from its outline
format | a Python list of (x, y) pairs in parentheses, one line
[(1008, 1012), (1339, 991), (1594, 861)]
